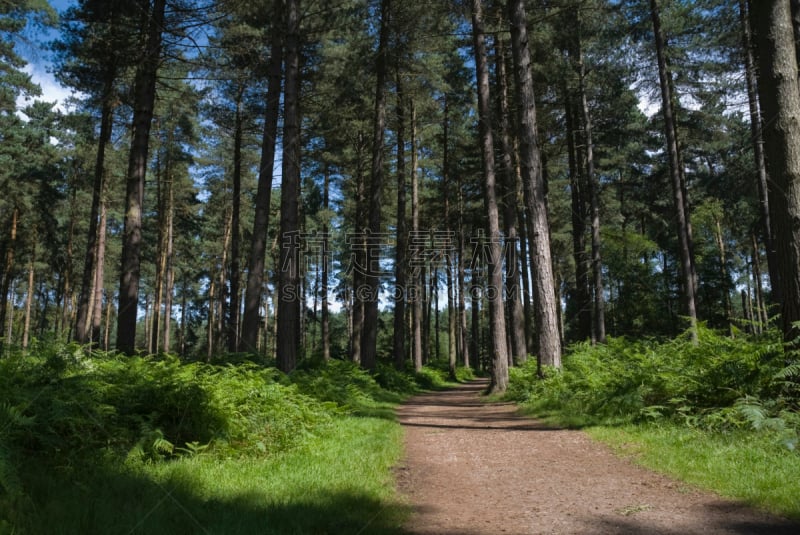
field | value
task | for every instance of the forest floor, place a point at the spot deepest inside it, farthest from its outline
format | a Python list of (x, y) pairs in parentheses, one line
[(473, 468)]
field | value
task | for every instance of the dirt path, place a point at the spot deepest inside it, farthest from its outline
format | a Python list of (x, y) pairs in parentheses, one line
[(473, 468)]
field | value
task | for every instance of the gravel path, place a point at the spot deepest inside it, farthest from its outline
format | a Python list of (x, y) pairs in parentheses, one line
[(474, 468)]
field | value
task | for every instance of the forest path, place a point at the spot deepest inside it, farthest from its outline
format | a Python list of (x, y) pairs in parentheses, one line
[(479, 468)]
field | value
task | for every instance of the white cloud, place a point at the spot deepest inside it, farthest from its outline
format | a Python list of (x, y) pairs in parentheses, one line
[(52, 91)]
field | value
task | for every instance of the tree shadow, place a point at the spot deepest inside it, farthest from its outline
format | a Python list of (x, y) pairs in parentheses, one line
[(112, 501)]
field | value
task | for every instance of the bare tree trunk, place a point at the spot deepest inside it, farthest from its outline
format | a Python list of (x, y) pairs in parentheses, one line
[(499, 350), (155, 330), (758, 151), (370, 330), (515, 318), (169, 275), (763, 316), (9, 304), (107, 331), (416, 267), (144, 103), (82, 330), (401, 266), (583, 299), (593, 182), (255, 269), (688, 276), (325, 331), (526, 280), (235, 276), (26, 330), (447, 254), (8, 268), (723, 272), (359, 256), (462, 305), (546, 306), (212, 307), (780, 102), (99, 274), (288, 341)]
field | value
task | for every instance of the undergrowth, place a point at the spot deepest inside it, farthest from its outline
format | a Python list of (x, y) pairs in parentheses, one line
[(718, 383), (66, 416)]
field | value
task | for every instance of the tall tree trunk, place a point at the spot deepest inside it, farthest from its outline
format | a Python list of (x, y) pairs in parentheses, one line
[(359, 259), (758, 151), (688, 277), (416, 266), (161, 179), (499, 350), (9, 318), (546, 306), (370, 333), (26, 329), (255, 269), (515, 318), (325, 319), (583, 298), (144, 102), (723, 272), (82, 329), (462, 305), (99, 274), (169, 271), (8, 267), (763, 316), (599, 316), (447, 253), (780, 102), (526, 279), (235, 277), (401, 266), (288, 342)]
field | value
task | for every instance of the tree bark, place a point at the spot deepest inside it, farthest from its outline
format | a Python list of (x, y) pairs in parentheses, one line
[(144, 102), (416, 267), (758, 151), (235, 276), (515, 317), (8, 268), (82, 330), (99, 274), (546, 307), (26, 329), (289, 297), (401, 266), (780, 102), (598, 316), (370, 330), (686, 255), (583, 299), (258, 242), (499, 350)]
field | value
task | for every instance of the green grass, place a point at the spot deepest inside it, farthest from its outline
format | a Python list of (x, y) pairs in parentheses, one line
[(741, 465), (337, 482)]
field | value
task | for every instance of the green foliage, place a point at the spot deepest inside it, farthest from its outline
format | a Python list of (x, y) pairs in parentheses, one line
[(699, 384), (66, 414)]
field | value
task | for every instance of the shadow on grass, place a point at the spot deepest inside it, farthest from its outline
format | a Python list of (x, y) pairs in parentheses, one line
[(109, 501)]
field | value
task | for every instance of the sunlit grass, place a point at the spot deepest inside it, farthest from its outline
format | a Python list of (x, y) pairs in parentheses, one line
[(740, 465)]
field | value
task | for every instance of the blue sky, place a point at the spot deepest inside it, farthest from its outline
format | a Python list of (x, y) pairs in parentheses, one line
[(33, 50)]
